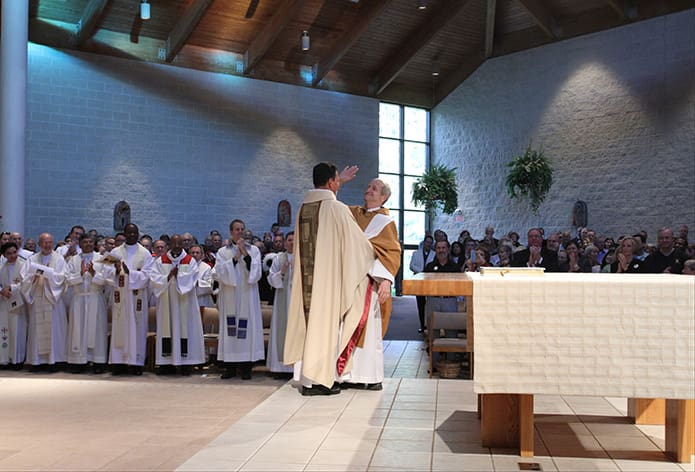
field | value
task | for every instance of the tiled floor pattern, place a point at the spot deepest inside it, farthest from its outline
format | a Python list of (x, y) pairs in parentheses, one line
[(423, 425), (98, 422)]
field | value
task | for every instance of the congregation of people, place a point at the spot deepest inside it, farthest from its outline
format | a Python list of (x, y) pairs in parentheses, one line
[(556, 252), (82, 304)]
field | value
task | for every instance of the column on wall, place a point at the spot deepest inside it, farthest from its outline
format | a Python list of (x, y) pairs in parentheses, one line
[(13, 109)]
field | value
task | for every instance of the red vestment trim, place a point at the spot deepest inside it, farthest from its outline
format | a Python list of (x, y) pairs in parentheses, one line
[(186, 259), (347, 352)]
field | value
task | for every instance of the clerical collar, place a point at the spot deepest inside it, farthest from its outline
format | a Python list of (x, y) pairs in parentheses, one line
[(373, 209)]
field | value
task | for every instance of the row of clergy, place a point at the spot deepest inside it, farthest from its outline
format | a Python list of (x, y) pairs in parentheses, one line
[(54, 309)]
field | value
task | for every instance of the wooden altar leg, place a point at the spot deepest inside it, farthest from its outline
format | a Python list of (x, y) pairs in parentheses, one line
[(507, 422), (526, 425), (646, 410), (680, 429)]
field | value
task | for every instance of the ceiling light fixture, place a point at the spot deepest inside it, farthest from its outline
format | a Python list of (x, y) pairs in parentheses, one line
[(144, 10), (306, 41), (421, 4), (435, 69)]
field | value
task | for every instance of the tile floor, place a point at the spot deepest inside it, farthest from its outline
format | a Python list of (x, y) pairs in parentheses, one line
[(71, 422)]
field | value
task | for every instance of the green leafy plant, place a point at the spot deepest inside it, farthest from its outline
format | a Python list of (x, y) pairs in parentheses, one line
[(436, 188), (530, 177)]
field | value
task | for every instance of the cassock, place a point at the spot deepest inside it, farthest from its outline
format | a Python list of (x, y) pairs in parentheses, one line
[(87, 320), (278, 323), (43, 279), (13, 315), (179, 327), (368, 358), (331, 289), (241, 322), (129, 304)]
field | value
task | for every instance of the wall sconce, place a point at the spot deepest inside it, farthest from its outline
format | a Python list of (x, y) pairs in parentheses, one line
[(306, 41), (144, 10), (421, 4)]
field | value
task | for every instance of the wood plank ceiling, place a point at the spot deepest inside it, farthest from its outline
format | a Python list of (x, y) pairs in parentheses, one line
[(386, 49)]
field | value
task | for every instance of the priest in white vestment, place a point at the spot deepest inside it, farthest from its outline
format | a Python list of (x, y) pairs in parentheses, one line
[(331, 289), (43, 281), (238, 270), (129, 276), (280, 278), (23, 253), (203, 287), (173, 281), (87, 320), (368, 359), (13, 316)]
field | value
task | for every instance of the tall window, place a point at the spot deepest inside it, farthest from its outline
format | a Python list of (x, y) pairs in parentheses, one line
[(404, 154)]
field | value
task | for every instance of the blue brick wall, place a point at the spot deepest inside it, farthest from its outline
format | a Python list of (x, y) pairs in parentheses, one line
[(189, 150), (614, 110)]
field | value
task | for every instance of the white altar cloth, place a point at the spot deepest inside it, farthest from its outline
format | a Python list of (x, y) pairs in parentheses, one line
[(625, 335)]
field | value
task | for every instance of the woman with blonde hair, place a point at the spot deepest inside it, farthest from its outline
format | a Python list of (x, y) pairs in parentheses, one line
[(625, 261)]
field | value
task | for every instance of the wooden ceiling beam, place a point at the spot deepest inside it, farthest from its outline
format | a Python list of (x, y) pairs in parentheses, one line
[(418, 41), (262, 42), (456, 77), (185, 26), (342, 46), (490, 27), (541, 16), (87, 23), (625, 9)]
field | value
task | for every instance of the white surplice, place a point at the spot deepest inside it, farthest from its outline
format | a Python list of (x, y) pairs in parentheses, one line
[(13, 316), (87, 321), (178, 319), (278, 323), (203, 288), (43, 279), (129, 304), (241, 322)]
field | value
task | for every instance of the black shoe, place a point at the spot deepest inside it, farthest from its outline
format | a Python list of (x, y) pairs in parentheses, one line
[(246, 370), (99, 368), (374, 386), (228, 373), (320, 390), (185, 370), (135, 370)]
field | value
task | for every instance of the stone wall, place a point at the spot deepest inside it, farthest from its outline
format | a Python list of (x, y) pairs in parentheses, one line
[(188, 150), (614, 110)]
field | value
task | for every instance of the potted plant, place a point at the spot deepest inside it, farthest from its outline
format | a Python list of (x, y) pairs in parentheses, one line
[(530, 177), (436, 188)]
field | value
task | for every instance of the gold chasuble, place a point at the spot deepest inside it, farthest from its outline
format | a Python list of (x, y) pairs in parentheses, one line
[(336, 286), (381, 231)]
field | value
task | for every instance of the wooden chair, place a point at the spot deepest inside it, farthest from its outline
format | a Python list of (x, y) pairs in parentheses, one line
[(440, 320)]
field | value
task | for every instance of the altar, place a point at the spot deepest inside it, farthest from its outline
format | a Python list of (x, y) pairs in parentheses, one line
[(623, 335)]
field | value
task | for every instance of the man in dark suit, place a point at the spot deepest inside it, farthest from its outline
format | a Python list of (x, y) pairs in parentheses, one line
[(535, 255)]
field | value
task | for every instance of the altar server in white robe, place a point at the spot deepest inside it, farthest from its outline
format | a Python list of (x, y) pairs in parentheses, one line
[(280, 277), (238, 270), (203, 287), (179, 328), (43, 281), (129, 276), (13, 316), (87, 321)]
